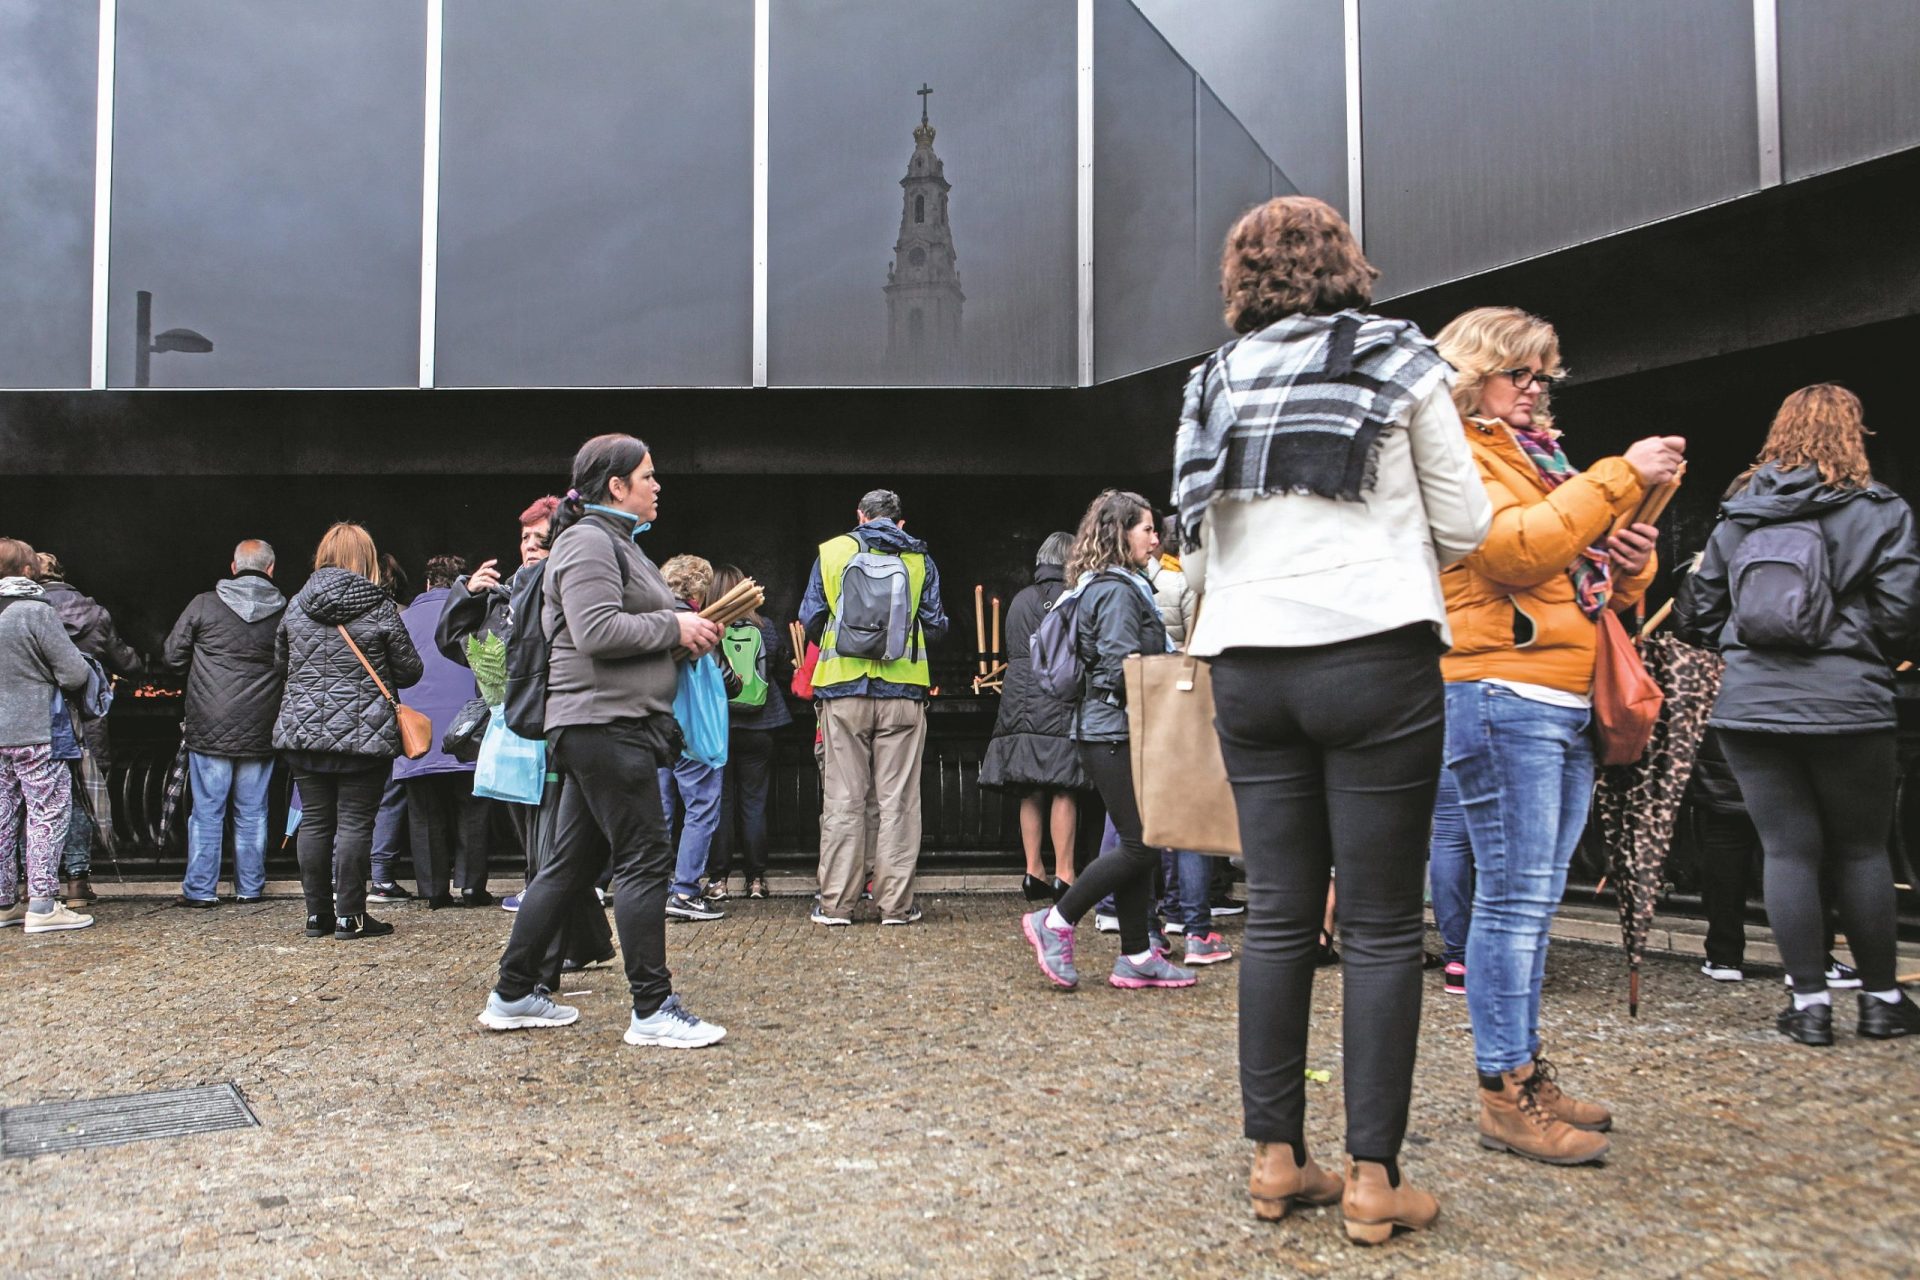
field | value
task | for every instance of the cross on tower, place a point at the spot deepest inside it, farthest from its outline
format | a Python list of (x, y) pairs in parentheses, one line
[(924, 92)]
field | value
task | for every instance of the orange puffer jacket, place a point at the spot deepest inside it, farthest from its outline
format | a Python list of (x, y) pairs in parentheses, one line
[(1510, 604)]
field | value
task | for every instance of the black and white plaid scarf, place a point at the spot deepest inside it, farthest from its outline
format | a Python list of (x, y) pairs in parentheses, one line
[(1303, 412)]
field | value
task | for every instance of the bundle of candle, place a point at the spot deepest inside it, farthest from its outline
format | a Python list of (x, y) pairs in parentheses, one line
[(988, 656), (797, 634), (1653, 503), (730, 608)]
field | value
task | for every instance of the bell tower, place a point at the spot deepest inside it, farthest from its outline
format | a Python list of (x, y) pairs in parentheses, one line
[(923, 280)]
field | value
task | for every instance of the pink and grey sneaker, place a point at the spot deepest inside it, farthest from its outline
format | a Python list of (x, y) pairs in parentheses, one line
[(1207, 948), (1455, 983), (1052, 947), (1155, 971)]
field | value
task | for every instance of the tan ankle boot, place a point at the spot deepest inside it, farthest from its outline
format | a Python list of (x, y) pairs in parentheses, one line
[(1513, 1118), (1590, 1116), (1276, 1182), (1374, 1206)]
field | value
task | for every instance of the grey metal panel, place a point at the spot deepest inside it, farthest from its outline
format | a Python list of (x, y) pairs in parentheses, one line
[(1277, 65), (596, 194), (1500, 129), (1849, 81), (1234, 175), (843, 81), (1144, 219), (267, 168), (47, 54)]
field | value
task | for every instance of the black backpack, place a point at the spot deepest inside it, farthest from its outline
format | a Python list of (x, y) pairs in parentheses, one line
[(530, 649), (1781, 587)]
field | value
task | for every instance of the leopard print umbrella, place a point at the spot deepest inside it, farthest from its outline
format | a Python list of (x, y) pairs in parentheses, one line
[(1635, 805)]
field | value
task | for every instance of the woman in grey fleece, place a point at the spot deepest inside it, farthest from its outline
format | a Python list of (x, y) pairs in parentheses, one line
[(36, 657)]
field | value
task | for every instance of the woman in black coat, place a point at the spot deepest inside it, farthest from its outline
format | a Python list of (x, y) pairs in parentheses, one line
[(336, 731), (1031, 753), (1810, 586)]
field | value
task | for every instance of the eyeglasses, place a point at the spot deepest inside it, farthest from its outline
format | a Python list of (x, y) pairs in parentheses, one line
[(1525, 378)]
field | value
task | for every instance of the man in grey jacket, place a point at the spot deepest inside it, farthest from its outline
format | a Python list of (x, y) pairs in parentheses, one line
[(225, 640)]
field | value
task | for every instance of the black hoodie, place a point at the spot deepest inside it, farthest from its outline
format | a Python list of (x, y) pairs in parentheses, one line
[(1874, 569), (331, 706)]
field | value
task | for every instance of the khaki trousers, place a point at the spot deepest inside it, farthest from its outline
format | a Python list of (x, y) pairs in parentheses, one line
[(871, 749)]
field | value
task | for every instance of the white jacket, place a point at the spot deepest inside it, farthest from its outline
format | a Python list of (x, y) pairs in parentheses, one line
[(1296, 570), (1172, 596)]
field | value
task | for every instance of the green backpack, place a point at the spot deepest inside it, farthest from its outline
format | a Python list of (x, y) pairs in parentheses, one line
[(747, 654)]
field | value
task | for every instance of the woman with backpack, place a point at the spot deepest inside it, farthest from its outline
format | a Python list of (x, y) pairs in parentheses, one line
[(756, 650), (1115, 614), (1810, 586), (1032, 752)]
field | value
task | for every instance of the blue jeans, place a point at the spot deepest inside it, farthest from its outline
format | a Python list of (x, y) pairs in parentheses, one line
[(1450, 871), (690, 795), (1189, 895), (390, 837), (216, 780), (1524, 770)]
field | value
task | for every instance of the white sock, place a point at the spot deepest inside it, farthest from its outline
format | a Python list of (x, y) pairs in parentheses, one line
[(1143, 957), (1891, 997), (1055, 920), (1819, 997)]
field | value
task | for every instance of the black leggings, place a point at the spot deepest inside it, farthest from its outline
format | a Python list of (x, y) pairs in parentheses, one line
[(1823, 800), (1334, 752), (1127, 871)]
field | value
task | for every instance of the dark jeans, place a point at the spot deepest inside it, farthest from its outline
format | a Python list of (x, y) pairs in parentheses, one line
[(447, 829), (743, 806), (1127, 870), (335, 843), (609, 814), (390, 841), (1823, 801), (1334, 752)]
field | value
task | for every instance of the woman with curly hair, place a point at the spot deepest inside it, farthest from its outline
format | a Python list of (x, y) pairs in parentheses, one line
[(1810, 586), (1117, 617)]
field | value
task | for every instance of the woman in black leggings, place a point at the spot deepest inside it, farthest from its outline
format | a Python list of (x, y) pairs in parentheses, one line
[(1810, 585), (1117, 617)]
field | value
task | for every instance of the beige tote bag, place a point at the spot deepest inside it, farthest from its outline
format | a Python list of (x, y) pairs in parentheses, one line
[(1178, 775)]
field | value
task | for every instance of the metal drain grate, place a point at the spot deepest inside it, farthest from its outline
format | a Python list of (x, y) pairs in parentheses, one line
[(107, 1122)]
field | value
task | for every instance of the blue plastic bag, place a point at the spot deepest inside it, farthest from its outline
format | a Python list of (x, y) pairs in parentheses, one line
[(510, 767), (700, 705)]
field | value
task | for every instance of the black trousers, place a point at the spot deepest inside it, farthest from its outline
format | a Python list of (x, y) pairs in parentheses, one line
[(586, 937), (1729, 864), (447, 830), (609, 814), (744, 789), (335, 842), (1823, 801), (1126, 871), (1334, 753)]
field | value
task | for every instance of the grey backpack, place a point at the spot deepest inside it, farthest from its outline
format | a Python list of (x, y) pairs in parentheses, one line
[(876, 607), (1782, 591)]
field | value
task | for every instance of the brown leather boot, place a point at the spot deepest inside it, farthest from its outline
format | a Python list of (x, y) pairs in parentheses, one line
[(79, 891), (1276, 1182), (1513, 1118), (1374, 1206), (1590, 1116)]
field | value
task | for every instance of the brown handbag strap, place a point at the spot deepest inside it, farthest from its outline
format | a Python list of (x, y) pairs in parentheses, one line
[(378, 683)]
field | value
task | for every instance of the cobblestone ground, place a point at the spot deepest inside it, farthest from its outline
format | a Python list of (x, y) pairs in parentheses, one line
[(889, 1101)]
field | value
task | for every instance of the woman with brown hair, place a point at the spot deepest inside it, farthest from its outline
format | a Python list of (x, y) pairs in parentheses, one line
[(335, 728), (1322, 482), (1810, 585)]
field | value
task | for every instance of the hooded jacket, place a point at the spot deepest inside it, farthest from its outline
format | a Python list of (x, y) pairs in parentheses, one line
[(1873, 567), (91, 628), (931, 617), (1117, 619), (225, 639), (330, 704), (1032, 744), (444, 686), (36, 657)]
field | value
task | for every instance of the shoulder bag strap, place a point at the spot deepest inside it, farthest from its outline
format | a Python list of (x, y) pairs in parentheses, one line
[(378, 683)]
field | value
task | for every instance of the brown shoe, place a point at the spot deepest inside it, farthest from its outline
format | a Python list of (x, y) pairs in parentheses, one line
[(1276, 1182), (79, 891), (1374, 1206), (1513, 1118), (1590, 1116)]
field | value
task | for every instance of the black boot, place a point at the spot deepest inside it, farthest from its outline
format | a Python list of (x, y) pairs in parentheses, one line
[(1035, 889), (1812, 1025), (1882, 1021), (351, 927)]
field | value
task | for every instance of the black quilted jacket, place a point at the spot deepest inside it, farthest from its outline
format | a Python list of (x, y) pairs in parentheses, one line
[(330, 703), (226, 640)]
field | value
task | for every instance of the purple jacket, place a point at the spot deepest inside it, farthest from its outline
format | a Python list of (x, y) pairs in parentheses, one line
[(443, 689)]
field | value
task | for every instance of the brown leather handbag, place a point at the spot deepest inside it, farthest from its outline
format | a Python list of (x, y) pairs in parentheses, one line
[(416, 731), (1626, 700), (1179, 778)]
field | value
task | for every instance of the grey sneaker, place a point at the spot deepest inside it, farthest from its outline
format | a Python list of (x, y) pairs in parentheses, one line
[(1207, 948), (820, 916), (912, 917), (1052, 947), (1155, 971), (534, 1010), (673, 1026)]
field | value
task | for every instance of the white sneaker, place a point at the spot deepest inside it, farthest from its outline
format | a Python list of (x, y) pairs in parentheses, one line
[(820, 916), (1722, 972), (1106, 923), (55, 920), (1839, 977), (674, 1026), (13, 915)]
